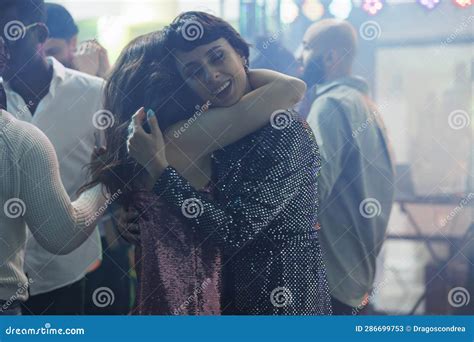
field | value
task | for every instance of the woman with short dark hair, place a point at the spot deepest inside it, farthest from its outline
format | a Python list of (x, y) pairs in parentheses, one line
[(263, 212), (179, 270)]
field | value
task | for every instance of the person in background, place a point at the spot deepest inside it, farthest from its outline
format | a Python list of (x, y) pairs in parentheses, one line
[(264, 212), (274, 56), (89, 57), (31, 193), (63, 103), (356, 184), (171, 257), (63, 31)]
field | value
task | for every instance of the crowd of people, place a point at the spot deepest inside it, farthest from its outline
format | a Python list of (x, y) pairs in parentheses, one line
[(238, 190)]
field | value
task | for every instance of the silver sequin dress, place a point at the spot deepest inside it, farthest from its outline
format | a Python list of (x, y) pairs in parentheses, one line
[(264, 218)]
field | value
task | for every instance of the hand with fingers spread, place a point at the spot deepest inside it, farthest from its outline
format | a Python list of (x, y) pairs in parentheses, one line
[(87, 58), (92, 58), (148, 149)]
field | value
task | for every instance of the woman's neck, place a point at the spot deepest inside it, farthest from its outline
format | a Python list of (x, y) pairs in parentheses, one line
[(248, 86)]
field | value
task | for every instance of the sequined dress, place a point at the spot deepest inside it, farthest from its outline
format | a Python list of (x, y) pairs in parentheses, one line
[(178, 272), (264, 217)]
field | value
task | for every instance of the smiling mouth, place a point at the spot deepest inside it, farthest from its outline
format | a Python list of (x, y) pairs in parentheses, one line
[(221, 88)]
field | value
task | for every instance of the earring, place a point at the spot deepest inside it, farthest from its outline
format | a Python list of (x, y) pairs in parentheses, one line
[(246, 64)]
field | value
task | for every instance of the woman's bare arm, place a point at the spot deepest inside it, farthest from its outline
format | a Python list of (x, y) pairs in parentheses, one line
[(219, 127)]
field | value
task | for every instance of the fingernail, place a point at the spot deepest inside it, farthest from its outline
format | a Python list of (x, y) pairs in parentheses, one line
[(150, 113)]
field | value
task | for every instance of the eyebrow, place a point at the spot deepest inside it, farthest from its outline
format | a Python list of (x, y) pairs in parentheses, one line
[(211, 50)]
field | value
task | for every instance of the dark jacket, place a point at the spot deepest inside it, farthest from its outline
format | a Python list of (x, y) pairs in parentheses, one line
[(264, 218)]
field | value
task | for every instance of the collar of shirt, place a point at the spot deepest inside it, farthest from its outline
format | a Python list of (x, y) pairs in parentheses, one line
[(59, 73), (351, 81), (66, 117)]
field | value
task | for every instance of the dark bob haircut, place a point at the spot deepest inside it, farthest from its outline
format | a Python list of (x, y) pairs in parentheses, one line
[(60, 22), (192, 29)]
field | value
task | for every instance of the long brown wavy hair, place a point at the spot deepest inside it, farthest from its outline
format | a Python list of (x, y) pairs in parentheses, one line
[(143, 76)]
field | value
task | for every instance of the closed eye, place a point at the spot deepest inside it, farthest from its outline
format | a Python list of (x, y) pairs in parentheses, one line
[(217, 57), (198, 72)]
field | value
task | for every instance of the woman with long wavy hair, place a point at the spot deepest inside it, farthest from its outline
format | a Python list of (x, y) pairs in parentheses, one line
[(178, 269), (264, 212)]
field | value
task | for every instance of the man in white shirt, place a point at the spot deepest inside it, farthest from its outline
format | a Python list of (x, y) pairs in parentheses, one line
[(89, 56), (62, 103), (356, 178)]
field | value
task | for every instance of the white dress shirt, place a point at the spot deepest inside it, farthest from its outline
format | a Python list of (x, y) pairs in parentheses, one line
[(65, 115)]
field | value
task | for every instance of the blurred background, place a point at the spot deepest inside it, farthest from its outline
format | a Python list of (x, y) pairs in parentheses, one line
[(418, 57)]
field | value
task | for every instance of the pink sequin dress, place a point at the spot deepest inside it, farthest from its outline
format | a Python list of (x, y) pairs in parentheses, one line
[(178, 272)]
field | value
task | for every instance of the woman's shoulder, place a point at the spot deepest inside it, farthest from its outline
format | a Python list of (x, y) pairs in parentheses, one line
[(286, 135)]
